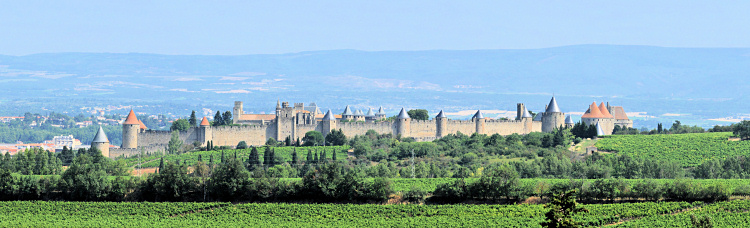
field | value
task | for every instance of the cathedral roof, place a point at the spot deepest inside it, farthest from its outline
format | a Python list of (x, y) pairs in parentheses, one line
[(100, 137), (569, 120), (131, 119), (402, 114), (599, 131), (348, 111), (381, 111), (440, 114), (329, 116), (478, 115), (370, 112), (593, 112), (204, 122), (604, 111), (552, 107)]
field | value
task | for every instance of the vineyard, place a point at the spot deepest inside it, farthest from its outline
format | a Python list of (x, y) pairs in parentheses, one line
[(138, 214), (243, 154), (689, 149)]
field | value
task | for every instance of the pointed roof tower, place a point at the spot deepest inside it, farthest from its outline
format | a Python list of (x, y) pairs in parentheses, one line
[(402, 114), (328, 116), (143, 126), (593, 112), (478, 115), (348, 111), (100, 136), (204, 122), (552, 107), (370, 112), (131, 119), (278, 103), (525, 113), (440, 114), (569, 120), (599, 131), (604, 111), (380, 111)]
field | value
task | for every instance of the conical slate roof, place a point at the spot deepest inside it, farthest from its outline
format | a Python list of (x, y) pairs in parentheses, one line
[(604, 111), (402, 114), (204, 122), (328, 116), (370, 112), (552, 107), (538, 116), (381, 111), (131, 119), (599, 131), (569, 120), (525, 114), (100, 137), (593, 112), (358, 113), (440, 115), (348, 111), (478, 115)]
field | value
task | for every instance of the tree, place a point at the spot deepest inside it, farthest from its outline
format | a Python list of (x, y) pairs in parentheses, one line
[(229, 181), (242, 145), (313, 138), (562, 207), (85, 179), (227, 118), (288, 141), (333, 156), (271, 142), (218, 120), (309, 159), (161, 163), (175, 143), (702, 222), (193, 119), (294, 157), (180, 125), (742, 129), (418, 114), (335, 138)]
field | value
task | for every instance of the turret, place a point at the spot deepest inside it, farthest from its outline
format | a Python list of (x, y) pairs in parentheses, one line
[(329, 123), (569, 122), (206, 132), (403, 124), (442, 123), (479, 121), (381, 114), (526, 119), (101, 142), (552, 117), (130, 129), (348, 114), (237, 112)]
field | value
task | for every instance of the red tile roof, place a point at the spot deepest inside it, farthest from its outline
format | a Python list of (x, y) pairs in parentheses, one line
[(593, 112), (131, 118), (204, 122), (604, 111)]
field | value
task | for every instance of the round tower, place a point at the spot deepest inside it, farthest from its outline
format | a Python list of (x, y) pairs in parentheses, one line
[(329, 123), (442, 125), (403, 124), (479, 122), (526, 119), (552, 117), (130, 129), (101, 142), (206, 133)]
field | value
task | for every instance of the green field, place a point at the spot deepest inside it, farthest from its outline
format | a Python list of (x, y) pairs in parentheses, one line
[(689, 149), (139, 214), (192, 157)]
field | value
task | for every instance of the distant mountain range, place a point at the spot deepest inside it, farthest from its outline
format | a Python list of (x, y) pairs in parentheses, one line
[(693, 84)]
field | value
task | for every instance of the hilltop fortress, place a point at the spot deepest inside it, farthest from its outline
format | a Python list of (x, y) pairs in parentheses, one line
[(295, 121)]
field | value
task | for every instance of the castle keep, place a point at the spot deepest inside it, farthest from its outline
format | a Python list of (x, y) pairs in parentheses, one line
[(295, 121)]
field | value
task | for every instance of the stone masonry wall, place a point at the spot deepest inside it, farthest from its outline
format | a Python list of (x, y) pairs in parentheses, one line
[(351, 129), (466, 127), (503, 127), (253, 135)]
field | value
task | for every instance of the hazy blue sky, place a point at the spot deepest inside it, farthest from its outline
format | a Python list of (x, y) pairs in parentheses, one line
[(254, 27)]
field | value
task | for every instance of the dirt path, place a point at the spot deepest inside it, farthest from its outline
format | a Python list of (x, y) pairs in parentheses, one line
[(624, 220)]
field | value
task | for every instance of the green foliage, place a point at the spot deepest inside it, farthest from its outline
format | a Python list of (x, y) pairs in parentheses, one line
[(175, 144), (418, 114), (335, 138), (180, 125), (562, 208), (193, 121), (742, 129), (313, 138), (241, 145), (689, 150)]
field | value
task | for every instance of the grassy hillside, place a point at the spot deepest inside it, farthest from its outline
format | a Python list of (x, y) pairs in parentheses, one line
[(689, 149)]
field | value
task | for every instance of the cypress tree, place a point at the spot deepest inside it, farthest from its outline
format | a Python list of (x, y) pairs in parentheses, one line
[(309, 158), (193, 120), (297, 144), (315, 157), (222, 157), (294, 157), (218, 121), (333, 157), (324, 157), (200, 158), (271, 157), (161, 164)]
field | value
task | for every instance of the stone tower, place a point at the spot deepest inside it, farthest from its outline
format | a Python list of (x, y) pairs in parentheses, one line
[(237, 112), (520, 108), (526, 119), (479, 122), (552, 117), (348, 115), (328, 122), (285, 120), (442, 125), (569, 122), (206, 133), (403, 124), (130, 129), (101, 142)]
